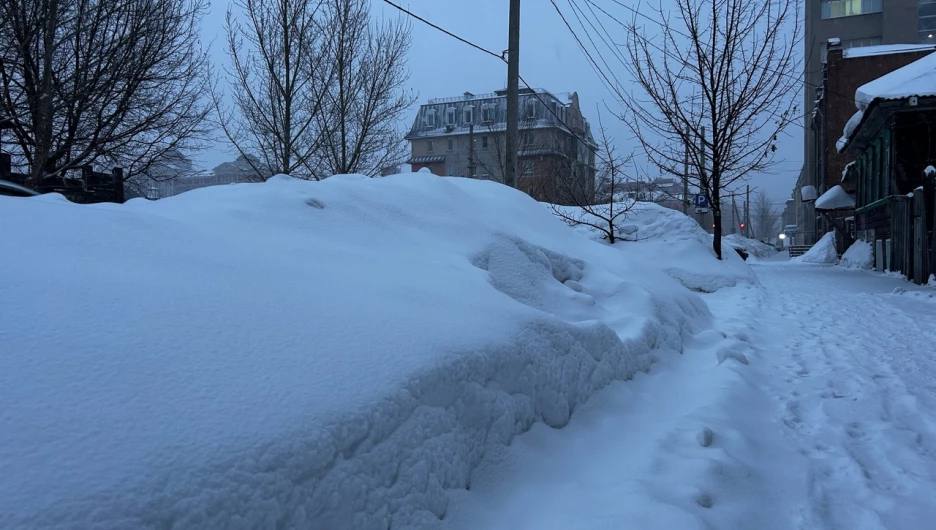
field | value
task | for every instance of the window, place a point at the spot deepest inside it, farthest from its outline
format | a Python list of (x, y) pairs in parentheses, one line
[(450, 116), (430, 118), (526, 168), (927, 21), (468, 114), (484, 142), (450, 169), (430, 146), (527, 138), (451, 144), (487, 113), (848, 8), (530, 109)]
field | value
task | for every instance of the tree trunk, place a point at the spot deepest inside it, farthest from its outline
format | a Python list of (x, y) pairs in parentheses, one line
[(716, 241)]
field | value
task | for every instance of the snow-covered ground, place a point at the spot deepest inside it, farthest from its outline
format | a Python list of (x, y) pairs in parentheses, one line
[(830, 424), (295, 354)]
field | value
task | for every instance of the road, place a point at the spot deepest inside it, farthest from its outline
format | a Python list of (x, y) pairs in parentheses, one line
[(812, 405)]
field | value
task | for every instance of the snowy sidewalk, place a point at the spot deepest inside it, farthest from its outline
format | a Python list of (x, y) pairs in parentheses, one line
[(830, 425)]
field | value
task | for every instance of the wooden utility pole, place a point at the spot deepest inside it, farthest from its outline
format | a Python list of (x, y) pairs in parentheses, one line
[(747, 213), (513, 89), (685, 177)]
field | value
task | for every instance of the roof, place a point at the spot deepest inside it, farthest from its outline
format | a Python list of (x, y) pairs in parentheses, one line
[(916, 79), (426, 159), (885, 49), (835, 199)]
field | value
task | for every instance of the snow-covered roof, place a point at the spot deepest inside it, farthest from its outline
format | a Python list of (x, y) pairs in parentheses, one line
[(885, 49), (835, 199), (916, 79)]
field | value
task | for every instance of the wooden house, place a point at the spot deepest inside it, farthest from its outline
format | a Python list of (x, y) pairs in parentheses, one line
[(892, 138)]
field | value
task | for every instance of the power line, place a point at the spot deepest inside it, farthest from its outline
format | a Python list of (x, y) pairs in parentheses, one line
[(501, 58), (447, 32)]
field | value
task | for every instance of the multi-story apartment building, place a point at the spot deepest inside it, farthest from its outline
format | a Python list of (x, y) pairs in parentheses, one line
[(856, 23), (465, 136)]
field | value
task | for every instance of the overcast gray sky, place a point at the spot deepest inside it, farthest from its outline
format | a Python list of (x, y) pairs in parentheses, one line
[(441, 66)]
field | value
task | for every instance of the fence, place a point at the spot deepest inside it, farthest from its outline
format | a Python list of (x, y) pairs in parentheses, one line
[(91, 187)]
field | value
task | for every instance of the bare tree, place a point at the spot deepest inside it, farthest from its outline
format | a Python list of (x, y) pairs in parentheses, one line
[(766, 218), (716, 78), (278, 77), (722, 85), (365, 98), (575, 190), (90, 81)]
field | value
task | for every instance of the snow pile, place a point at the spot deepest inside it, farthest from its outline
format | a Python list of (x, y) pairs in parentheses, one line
[(677, 245), (822, 252), (753, 247), (290, 354), (836, 198), (858, 256)]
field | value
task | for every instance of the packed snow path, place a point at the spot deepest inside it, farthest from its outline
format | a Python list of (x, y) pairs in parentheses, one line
[(855, 371), (831, 424)]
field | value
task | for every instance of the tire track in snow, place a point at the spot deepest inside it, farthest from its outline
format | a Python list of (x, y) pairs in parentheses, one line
[(858, 392)]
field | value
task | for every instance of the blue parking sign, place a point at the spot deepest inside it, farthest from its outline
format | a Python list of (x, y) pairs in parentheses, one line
[(701, 201)]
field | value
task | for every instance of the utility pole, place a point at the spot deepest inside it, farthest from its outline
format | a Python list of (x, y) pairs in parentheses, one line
[(734, 217), (513, 89), (685, 178), (747, 213), (471, 164)]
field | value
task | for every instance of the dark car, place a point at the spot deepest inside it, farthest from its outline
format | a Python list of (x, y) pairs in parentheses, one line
[(15, 190)]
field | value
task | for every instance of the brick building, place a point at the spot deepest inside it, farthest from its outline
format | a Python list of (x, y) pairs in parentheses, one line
[(465, 136), (843, 72)]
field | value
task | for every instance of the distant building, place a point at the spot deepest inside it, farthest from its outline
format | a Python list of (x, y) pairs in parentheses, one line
[(175, 174), (556, 147)]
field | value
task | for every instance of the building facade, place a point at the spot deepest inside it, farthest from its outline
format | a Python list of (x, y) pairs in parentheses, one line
[(466, 136), (855, 23), (844, 71)]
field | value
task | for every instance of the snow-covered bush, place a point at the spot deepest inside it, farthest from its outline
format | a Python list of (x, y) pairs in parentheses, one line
[(858, 256), (822, 252), (679, 246)]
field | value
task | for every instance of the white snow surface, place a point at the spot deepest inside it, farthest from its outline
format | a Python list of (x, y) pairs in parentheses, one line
[(916, 79), (858, 256), (812, 419), (835, 198), (885, 49), (677, 245), (850, 126), (300, 354), (753, 247), (822, 252)]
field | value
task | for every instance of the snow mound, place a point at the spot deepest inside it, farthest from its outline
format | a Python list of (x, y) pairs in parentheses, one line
[(858, 256), (679, 246), (822, 252), (300, 354), (836, 198), (753, 247)]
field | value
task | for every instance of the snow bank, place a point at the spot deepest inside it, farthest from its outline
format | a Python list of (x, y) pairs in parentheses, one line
[(679, 246), (858, 256), (291, 354), (822, 252), (753, 247), (835, 198)]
